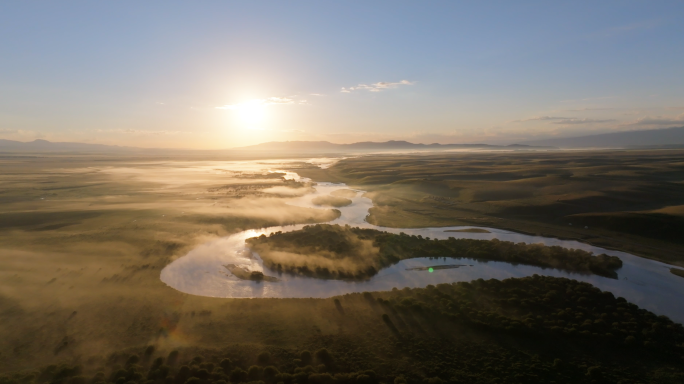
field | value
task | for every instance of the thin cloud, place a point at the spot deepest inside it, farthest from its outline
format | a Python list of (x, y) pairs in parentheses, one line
[(649, 121), (376, 87), (19, 134), (564, 120), (624, 29), (582, 121), (542, 118), (587, 99), (589, 109), (140, 132), (143, 132), (278, 101)]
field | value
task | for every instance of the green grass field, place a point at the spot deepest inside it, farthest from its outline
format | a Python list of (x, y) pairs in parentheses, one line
[(627, 200)]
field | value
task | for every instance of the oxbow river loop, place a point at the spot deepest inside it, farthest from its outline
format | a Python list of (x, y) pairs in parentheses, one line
[(644, 282)]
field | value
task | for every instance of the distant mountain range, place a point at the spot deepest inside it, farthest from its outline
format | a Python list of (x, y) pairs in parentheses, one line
[(653, 138), (49, 146), (371, 146), (283, 147)]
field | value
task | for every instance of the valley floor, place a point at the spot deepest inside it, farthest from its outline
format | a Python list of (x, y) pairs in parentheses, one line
[(83, 240)]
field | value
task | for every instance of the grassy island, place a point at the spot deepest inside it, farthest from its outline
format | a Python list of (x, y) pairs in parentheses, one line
[(342, 252), (246, 274), (677, 271)]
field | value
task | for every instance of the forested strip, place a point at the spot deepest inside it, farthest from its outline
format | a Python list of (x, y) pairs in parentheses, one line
[(529, 330), (350, 261)]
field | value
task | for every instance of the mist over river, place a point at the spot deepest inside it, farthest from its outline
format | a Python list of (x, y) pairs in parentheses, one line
[(644, 282)]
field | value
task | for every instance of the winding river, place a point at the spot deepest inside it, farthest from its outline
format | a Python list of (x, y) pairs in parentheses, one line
[(644, 282)]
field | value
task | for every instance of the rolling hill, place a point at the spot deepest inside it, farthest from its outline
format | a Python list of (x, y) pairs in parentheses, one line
[(666, 137), (370, 146), (49, 146)]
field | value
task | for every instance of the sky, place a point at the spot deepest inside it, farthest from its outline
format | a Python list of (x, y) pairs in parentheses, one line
[(223, 74)]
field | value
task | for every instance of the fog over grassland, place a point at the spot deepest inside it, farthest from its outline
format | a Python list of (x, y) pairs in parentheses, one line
[(82, 242)]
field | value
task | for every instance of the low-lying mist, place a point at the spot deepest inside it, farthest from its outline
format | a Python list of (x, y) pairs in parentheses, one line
[(83, 241)]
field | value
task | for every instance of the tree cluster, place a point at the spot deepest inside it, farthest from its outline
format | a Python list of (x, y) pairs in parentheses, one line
[(527, 330), (342, 243)]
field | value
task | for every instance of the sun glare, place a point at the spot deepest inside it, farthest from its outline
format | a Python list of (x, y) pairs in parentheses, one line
[(251, 113), (248, 114)]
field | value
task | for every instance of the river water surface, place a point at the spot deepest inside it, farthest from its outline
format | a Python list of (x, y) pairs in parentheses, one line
[(647, 283)]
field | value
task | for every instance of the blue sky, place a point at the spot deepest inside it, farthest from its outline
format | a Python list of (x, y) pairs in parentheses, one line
[(219, 74)]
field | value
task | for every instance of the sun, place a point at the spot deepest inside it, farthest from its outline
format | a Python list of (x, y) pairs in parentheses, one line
[(251, 113), (248, 115)]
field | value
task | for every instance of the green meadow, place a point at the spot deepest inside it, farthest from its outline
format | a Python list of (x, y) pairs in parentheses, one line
[(629, 200)]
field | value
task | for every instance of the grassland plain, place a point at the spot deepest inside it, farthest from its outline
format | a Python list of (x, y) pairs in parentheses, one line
[(83, 239), (628, 200), (529, 330)]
